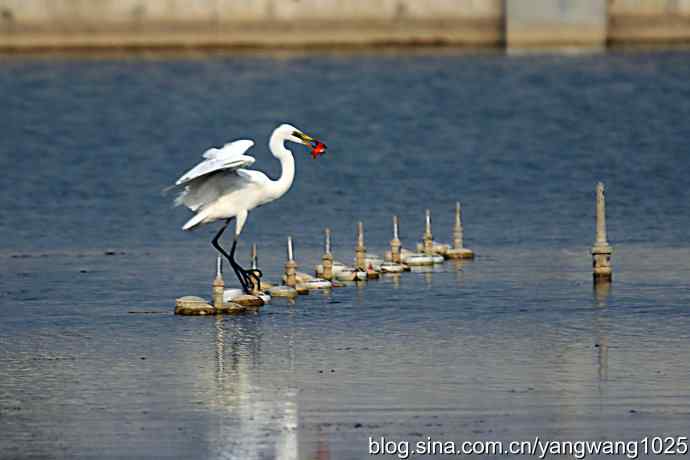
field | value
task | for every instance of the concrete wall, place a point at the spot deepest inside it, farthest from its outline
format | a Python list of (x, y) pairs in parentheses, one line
[(60, 24), (539, 23), (649, 21), (49, 24), (99, 11), (649, 7)]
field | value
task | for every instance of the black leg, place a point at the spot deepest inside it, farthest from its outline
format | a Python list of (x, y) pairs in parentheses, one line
[(251, 278), (230, 257), (241, 276), (214, 242)]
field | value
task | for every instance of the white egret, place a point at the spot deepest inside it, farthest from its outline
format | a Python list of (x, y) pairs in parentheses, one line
[(220, 188)]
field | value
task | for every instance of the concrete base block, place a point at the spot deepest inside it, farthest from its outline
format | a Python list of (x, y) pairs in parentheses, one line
[(317, 283), (419, 259), (302, 289), (231, 308), (373, 261), (248, 300), (193, 306), (265, 285), (437, 248), (461, 253), (390, 267), (351, 275), (372, 274), (283, 291)]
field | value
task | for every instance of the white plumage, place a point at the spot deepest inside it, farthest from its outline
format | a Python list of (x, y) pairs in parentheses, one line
[(230, 156), (220, 187), (220, 175)]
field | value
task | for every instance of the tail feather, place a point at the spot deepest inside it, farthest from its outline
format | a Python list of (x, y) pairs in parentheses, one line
[(179, 199), (167, 189), (195, 221)]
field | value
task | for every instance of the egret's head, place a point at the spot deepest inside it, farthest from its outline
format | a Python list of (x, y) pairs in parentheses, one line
[(317, 148)]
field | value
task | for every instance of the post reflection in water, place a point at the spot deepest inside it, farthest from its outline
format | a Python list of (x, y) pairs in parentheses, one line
[(393, 279), (326, 293), (602, 293), (450, 266), (360, 291), (458, 266), (428, 278), (220, 351), (427, 272), (253, 421)]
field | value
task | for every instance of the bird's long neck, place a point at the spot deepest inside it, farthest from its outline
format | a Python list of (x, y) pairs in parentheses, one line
[(287, 163)]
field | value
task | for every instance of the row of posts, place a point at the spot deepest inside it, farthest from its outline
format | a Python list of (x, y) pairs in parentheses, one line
[(601, 250)]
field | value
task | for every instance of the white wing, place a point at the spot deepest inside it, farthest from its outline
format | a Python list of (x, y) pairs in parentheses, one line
[(203, 191), (230, 149), (229, 157)]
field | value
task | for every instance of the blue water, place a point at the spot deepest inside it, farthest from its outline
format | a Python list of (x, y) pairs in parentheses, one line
[(512, 345)]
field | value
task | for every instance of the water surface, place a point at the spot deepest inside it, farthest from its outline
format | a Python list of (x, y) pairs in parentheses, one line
[(510, 346)]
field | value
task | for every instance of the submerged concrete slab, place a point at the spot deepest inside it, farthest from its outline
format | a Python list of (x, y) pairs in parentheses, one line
[(197, 306), (460, 253), (248, 300)]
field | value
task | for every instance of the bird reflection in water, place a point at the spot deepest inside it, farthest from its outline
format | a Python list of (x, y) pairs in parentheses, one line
[(253, 421), (323, 451)]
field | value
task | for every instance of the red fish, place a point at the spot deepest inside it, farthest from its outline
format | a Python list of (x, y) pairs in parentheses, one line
[(318, 150)]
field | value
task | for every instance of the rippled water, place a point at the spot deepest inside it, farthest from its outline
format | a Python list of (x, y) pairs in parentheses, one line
[(510, 346)]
